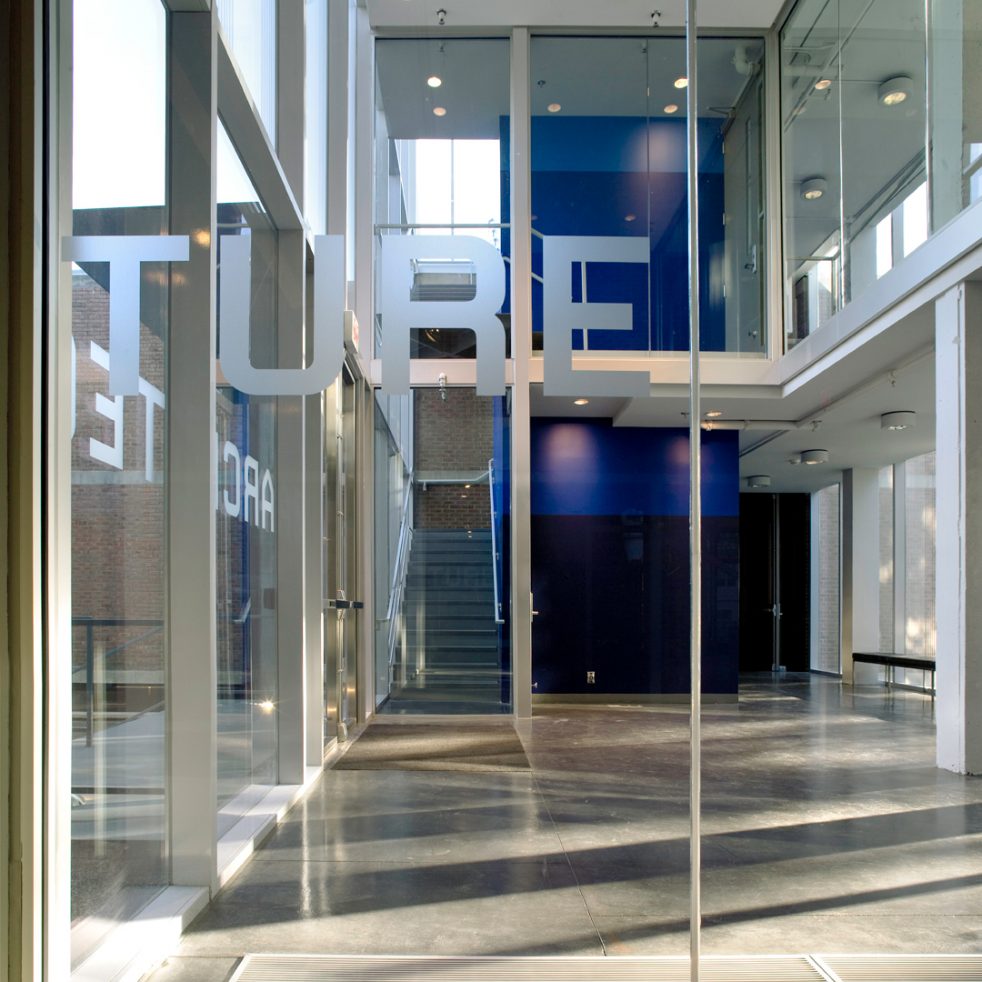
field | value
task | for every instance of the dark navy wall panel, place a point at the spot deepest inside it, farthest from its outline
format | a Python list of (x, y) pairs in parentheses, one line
[(610, 563)]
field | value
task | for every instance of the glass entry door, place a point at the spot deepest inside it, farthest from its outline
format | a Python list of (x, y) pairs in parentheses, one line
[(341, 605)]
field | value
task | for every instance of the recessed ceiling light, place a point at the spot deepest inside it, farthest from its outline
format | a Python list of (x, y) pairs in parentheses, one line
[(895, 90), (714, 413), (814, 457), (681, 82), (554, 107), (671, 108), (580, 402), (630, 216), (900, 420), (823, 83), (814, 188), (439, 111)]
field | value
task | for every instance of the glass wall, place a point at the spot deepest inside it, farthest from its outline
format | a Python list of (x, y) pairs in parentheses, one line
[(119, 492), (246, 520), (442, 166), (921, 627), (881, 143), (442, 507), (250, 29), (609, 159)]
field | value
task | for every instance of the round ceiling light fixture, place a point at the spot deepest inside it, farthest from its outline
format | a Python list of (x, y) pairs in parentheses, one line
[(681, 82), (434, 81), (714, 413), (439, 111), (900, 420), (759, 481), (822, 84), (814, 457), (554, 107), (581, 402), (895, 90), (813, 188), (671, 108)]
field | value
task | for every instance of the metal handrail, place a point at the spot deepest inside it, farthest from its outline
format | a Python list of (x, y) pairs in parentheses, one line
[(498, 619), (394, 613)]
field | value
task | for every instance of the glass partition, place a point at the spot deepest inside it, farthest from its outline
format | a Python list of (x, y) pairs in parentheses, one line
[(246, 520), (119, 491), (882, 143), (442, 167), (609, 159), (250, 29), (442, 508)]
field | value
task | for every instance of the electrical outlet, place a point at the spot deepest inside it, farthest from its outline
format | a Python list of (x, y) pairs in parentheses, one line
[(591, 678)]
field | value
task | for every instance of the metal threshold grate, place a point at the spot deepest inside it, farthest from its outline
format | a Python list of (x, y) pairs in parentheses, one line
[(372, 968), (901, 968)]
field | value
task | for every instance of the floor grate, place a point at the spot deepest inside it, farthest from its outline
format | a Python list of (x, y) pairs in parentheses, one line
[(902, 968), (371, 968)]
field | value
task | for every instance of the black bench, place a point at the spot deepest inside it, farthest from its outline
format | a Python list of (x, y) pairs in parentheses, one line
[(892, 660)]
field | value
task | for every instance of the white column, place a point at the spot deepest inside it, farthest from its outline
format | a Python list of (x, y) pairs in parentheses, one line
[(900, 558), (860, 582), (521, 265), (291, 660), (192, 457), (314, 577), (958, 368)]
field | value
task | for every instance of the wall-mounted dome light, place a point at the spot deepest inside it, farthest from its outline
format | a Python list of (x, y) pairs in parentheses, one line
[(814, 457), (554, 107), (434, 81), (681, 82), (895, 90), (822, 84), (759, 481), (814, 188), (671, 108), (901, 420), (439, 111)]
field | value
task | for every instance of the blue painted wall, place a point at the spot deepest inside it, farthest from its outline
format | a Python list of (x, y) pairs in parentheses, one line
[(610, 564), (590, 175)]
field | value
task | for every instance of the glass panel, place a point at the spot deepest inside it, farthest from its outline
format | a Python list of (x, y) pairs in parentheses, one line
[(810, 124), (119, 490), (921, 633), (441, 532), (825, 656), (609, 159), (886, 519), (249, 27), (315, 109), (441, 145), (246, 522), (883, 125), (955, 58)]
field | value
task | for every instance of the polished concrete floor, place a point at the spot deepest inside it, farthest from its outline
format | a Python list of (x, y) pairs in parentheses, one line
[(826, 828)]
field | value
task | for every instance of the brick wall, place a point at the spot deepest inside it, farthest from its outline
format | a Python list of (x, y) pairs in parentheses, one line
[(455, 434)]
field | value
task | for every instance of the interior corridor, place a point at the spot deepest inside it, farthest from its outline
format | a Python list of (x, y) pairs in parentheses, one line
[(827, 828)]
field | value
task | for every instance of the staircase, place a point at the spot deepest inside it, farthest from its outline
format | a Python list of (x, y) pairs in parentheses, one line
[(452, 639)]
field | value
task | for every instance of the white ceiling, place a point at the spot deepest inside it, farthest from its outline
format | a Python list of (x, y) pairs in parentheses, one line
[(754, 14)]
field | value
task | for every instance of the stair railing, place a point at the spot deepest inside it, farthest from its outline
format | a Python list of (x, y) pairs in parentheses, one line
[(395, 613), (498, 619)]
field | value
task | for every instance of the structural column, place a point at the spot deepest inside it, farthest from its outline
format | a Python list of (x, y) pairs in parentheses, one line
[(192, 458), (860, 557), (958, 368)]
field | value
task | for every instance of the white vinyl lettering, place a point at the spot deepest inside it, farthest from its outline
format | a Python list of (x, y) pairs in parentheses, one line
[(152, 396), (559, 252), (267, 500), (250, 492), (107, 453), (125, 253), (231, 453)]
